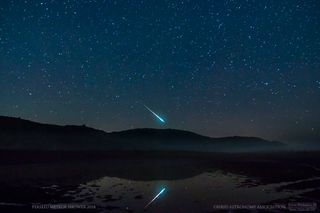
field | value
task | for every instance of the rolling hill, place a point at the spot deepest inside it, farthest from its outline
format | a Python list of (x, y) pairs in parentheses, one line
[(20, 134)]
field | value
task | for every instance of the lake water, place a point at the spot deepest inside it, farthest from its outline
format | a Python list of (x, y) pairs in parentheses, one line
[(128, 185), (195, 194)]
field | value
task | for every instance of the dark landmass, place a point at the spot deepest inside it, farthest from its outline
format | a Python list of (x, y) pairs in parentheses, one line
[(44, 163), (144, 166), (20, 134)]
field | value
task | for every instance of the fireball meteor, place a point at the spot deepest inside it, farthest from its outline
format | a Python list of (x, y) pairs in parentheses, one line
[(162, 190), (157, 116)]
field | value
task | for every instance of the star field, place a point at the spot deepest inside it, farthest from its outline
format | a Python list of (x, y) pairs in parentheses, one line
[(219, 68)]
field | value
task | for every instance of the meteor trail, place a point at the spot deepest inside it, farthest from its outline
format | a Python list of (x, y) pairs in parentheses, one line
[(157, 116), (162, 190)]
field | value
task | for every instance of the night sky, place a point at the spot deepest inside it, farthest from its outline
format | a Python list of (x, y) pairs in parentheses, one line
[(218, 68)]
